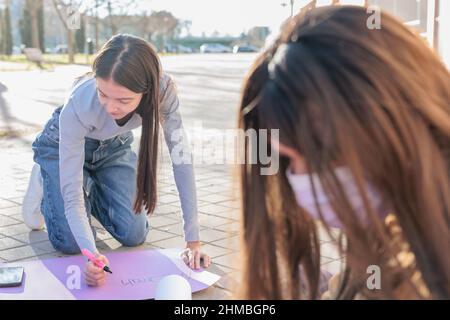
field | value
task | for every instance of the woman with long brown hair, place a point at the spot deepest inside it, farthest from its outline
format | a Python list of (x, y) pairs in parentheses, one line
[(85, 165), (364, 144)]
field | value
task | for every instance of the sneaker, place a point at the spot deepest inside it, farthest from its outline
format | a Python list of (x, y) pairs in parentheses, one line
[(31, 206)]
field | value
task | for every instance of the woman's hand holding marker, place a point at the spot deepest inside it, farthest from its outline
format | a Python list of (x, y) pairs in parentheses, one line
[(96, 269), (193, 256)]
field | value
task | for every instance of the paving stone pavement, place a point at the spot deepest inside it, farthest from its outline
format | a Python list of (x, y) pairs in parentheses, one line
[(218, 219), (216, 184)]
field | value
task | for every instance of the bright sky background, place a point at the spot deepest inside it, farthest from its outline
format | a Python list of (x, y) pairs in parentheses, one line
[(229, 16), (225, 16)]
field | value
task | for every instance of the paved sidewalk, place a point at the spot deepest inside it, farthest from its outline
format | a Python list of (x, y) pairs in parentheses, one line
[(209, 92), (217, 216)]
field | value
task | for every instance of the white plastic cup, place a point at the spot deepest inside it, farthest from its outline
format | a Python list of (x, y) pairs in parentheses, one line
[(173, 287)]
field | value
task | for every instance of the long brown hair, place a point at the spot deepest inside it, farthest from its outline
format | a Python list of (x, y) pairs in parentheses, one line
[(131, 62), (376, 101)]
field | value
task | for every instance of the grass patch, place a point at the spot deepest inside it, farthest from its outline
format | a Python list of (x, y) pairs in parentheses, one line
[(51, 58), (79, 58)]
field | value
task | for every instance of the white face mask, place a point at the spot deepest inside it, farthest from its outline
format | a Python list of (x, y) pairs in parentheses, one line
[(305, 198)]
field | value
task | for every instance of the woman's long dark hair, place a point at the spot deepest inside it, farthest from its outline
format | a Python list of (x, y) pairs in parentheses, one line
[(377, 102), (131, 62)]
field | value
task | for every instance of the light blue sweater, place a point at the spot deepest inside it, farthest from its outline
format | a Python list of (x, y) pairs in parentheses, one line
[(83, 116)]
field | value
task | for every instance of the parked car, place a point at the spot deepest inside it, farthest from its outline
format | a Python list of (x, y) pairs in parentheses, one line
[(16, 50), (62, 48), (170, 48), (177, 48), (244, 48), (184, 49), (214, 48)]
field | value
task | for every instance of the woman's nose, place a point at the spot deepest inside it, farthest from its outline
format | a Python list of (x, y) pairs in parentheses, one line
[(110, 107)]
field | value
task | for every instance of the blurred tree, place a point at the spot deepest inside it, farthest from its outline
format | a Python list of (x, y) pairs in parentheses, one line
[(40, 23), (2, 32), (92, 18), (256, 36), (6, 30), (97, 4), (80, 36), (159, 27), (183, 27), (117, 15), (68, 13), (25, 26), (32, 24), (118, 12)]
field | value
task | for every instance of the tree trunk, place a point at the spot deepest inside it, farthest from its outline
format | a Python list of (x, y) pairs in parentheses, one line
[(8, 41), (34, 28), (2, 32), (70, 45), (111, 23), (69, 32), (35, 6), (96, 26)]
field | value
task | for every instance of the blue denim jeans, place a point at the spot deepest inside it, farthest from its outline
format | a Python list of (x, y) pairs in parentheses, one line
[(109, 187)]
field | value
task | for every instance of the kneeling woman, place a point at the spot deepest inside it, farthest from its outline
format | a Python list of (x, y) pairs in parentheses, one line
[(86, 162)]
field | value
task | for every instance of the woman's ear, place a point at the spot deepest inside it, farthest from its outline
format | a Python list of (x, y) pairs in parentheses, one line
[(297, 161)]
